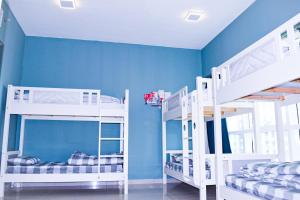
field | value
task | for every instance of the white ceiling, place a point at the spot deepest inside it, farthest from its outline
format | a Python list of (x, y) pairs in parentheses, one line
[(148, 22)]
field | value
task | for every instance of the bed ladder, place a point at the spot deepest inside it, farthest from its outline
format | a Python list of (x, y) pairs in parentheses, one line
[(185, 133), (123, 139)]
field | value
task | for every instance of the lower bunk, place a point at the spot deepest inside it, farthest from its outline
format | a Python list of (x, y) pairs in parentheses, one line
[(80, 167), (174, 169), (267, 180)]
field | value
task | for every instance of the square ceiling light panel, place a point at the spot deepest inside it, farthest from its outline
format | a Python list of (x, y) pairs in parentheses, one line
[(68, 4)]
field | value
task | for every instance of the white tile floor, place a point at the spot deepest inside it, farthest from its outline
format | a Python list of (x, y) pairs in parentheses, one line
[(136, 192)]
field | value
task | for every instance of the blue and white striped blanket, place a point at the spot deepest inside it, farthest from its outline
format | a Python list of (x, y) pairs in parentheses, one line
[(79, 158), (276, 181), (62, 168), (176, 164), (179, 168), (24, 160)]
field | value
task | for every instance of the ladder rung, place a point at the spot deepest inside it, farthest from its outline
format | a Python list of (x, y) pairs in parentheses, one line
[(111, 156)]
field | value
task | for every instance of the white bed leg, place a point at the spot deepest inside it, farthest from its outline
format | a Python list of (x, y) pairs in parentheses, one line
[(2, 189), (165, 189), (165, 180), (126, 186)]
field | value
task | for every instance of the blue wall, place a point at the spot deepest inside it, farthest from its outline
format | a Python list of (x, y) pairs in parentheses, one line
[(112, 68), (258, 20), (13, 38)]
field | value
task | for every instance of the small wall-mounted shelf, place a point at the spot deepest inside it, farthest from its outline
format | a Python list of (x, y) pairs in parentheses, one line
[(155, 98)]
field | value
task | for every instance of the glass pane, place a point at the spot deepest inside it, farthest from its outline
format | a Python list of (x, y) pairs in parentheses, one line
[(295, 144), (266, 113), (284, 110), (248, 138), (269, 143), (234, 123), (236, 143), (284, 42), (292, 114)]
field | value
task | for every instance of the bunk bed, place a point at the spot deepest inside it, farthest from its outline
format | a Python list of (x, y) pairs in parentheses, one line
[(194, 166), (268, 70), (37, 103)]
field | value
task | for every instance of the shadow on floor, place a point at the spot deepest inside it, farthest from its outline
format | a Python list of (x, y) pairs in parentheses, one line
[(174, 191)]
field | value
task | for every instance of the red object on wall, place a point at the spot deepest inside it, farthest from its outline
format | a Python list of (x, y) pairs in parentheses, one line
[(149, 97), (153, 99)]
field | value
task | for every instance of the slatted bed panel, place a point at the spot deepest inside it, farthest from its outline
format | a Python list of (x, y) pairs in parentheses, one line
[(269, 62), (53, 101)]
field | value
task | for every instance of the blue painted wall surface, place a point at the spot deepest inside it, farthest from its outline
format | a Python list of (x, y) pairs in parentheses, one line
[(112, 68), (13, 38), (258, 20)]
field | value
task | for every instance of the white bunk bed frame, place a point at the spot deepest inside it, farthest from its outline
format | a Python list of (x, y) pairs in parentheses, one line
[(176, 107), (272, 75), (36, 103)]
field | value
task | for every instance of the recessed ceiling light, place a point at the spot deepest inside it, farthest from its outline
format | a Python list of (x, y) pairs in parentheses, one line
[(68, 4), (194, 16)]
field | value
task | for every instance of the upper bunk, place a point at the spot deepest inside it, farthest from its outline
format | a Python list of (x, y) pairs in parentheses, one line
[(39, 101), (175, 106), (267, 70)]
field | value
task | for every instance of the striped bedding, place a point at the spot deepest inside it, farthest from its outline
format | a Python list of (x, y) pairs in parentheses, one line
[(177, 167), (80, 158), (62, 168), (78, 162), (276, 181), (176, 164)]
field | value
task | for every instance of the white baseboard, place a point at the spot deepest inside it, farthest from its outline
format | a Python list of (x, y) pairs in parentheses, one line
[(150, 181), (92, 184)]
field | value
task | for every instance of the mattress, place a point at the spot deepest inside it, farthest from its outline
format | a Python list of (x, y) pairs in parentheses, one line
[(263, 188), (62, 168), (178, 167), (279, 181)]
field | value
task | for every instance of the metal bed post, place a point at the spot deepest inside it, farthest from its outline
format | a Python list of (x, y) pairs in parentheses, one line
[(99, 138), (22, 130), (4, 154), (199, 158), (218, 137), (185, 132), (164, 141), (280, 132), (122, 137), (126, 119)]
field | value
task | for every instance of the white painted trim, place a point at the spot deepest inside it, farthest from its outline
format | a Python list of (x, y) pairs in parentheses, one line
[(88, 184)]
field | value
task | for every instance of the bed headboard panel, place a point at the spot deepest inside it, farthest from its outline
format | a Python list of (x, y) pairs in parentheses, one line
[(53, 101)]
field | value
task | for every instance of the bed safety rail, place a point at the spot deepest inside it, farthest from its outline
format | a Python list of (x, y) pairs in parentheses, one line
[(53, 101), (271, 61), (174, 104)]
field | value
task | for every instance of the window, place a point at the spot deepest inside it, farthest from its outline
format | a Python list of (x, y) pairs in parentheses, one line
[(291, 121), (240, 133)]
